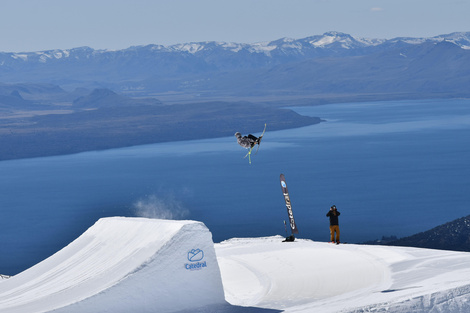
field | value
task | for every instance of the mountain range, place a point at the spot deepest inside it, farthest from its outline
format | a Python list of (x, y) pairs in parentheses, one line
[(53, 102), (332, 63)]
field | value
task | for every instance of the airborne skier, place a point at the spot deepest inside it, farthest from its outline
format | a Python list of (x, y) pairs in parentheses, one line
[(249, 141)]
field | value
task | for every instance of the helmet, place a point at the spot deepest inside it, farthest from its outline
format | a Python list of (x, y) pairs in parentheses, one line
[(237, 134), (333, 206)]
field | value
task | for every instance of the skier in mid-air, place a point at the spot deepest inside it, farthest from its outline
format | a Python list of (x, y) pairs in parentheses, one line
[(247, 142)]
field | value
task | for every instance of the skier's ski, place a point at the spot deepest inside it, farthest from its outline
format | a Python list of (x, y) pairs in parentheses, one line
[(249, 155), (285, 193), (261, 137)]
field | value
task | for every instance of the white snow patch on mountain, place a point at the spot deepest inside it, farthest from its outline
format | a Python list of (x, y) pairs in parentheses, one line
[(189, 47), (234, 47), (262, 47), (21, 56), (326, 40), (369, 41)]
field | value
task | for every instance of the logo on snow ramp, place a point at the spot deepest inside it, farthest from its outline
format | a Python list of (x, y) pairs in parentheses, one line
[(195, 256)]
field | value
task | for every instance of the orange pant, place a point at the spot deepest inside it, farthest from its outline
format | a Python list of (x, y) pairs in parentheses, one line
[(333, 229)]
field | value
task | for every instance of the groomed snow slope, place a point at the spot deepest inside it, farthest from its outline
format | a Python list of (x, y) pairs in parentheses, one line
[(145, 265), (122, 265), (306, 276)]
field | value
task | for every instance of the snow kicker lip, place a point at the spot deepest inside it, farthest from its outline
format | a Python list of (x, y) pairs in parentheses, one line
[(122, 265)]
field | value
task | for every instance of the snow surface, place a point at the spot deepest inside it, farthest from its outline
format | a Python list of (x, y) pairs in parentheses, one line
[(306, 276), (326, 40), (148, 265), (122, 265)]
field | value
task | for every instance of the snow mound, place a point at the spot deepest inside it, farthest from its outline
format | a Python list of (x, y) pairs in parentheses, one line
[(123, 265), (146, 265), (305, 276)]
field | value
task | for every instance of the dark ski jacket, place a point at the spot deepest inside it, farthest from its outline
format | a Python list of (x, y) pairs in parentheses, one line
[(246, 141), (333, 217)]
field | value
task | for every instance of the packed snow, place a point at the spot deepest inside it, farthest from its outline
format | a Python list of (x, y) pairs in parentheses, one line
[(122, 265), (306, 276), (326, 40), (150, 265)]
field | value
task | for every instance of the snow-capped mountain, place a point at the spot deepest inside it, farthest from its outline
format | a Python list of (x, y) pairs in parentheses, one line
[(329, 40), (226, 67), (265, 53), (461, 39)]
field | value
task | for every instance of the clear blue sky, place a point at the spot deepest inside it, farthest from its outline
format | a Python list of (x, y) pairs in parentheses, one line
[(35, 25)]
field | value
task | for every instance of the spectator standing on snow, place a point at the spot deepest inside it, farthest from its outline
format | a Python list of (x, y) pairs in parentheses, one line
[(334, 225)]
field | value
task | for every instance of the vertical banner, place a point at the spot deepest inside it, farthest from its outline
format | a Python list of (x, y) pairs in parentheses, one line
[(285, 193)]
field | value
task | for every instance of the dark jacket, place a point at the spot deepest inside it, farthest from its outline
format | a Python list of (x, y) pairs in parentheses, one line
[(333, 217)]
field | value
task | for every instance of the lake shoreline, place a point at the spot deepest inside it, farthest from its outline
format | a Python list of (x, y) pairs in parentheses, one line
[(112, 128)]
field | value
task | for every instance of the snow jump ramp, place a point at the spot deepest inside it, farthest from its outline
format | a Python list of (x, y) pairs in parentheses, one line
[(123, 265)]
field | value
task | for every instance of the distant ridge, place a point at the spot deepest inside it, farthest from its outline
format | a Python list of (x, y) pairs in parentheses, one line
[(336, 63), (454, 235), (105, 98), (328, 40)]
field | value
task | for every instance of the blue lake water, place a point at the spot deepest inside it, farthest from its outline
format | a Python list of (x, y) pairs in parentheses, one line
[(391, 168)]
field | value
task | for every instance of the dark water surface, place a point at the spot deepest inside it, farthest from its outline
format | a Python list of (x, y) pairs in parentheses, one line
[(391, 168)]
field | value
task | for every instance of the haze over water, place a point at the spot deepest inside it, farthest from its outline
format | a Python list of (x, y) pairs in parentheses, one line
[(391, 168)]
